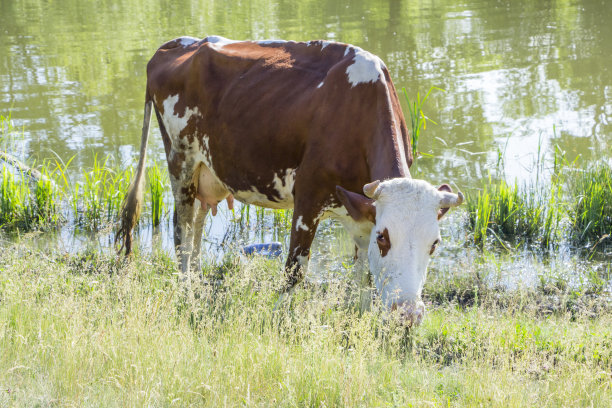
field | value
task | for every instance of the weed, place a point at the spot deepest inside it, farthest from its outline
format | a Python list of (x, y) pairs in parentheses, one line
[(591, 211), (158, 181), (418, 119)]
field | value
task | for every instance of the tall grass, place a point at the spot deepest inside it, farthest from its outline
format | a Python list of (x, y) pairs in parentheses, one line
[(103, 189), (508, 212), (418, 120), (591, 209), (87, 330), (157, 179), (14, 200)]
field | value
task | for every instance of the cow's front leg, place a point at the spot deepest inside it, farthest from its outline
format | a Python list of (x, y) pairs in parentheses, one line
[(303, 229)]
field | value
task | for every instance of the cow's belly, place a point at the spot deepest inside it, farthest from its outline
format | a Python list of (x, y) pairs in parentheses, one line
[(276, 193), (271, 189)]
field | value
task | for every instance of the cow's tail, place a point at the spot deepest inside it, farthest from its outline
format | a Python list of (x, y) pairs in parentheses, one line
[(132, 204)]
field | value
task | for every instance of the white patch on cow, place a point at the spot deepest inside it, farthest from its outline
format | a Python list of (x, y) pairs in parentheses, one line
[(322, 43), (303, 262), (187, 41), (255, 197), (282, 183), (218, 41), (271, 42), (175, 123), (300, 225), (320, 85), (366, 68), (206, 159), (195, 154), (284, 186)]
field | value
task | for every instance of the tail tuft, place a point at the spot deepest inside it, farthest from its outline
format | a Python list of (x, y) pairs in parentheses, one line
[(132, 205)]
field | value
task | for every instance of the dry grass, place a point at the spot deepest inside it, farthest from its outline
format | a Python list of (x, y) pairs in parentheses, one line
[(88, 330)]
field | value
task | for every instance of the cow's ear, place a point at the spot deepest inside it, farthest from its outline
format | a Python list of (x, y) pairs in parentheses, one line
[(358, 206), (447, 188)]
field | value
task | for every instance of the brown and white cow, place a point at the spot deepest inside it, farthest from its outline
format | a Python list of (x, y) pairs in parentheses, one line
[(302, 125)]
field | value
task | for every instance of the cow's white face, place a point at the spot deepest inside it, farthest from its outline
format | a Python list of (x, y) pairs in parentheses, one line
[(405, 213)]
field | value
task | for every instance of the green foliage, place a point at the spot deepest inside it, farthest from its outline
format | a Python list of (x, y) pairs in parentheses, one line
[(89, 329), (158, 182), (103, 189), (418, 120), (591, 209), (509, 212)]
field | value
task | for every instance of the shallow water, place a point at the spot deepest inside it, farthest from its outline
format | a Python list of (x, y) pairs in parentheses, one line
[(520, 77)]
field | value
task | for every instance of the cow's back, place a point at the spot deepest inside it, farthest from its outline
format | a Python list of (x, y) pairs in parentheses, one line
[(258, 111)]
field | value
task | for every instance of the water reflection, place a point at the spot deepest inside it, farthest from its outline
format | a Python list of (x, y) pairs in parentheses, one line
[(72, 73)]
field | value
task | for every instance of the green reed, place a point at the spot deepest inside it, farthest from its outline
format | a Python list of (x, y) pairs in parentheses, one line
[(103, 190), (29, 198), (157, 179), (14, 199), (46, 197), (591, 209), (418, 119), (509, 212)]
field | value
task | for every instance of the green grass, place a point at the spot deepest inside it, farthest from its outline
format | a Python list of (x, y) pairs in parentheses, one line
[(575, 205), (86, 330), (418, 120), (508, 212), (157, 179), (591, 210)]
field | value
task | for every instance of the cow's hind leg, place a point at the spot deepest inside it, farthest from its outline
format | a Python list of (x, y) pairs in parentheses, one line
[(198, 229), (184, 191)]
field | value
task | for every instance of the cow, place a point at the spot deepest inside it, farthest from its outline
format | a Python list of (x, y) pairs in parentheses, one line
[(314, 126)]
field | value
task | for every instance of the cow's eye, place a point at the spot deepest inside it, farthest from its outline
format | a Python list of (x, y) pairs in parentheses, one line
[(433, 246), (384, 244)]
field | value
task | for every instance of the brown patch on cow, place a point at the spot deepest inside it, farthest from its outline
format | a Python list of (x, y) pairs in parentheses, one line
[(384, 243), (188, 193), (433, 246)]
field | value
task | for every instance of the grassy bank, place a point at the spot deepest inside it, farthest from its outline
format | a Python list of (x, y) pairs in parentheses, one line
[(89, 330)]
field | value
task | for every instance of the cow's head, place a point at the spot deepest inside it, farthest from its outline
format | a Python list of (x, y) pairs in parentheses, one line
[(404, 213)]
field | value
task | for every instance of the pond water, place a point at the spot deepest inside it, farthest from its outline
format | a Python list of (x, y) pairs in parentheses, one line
[(519, 76)]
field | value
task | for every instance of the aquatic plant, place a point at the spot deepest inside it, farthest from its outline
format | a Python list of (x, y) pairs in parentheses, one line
[(591, 209), (46, 198), (418, 119), (157, 179), (101, 193), (509, 212), (14, 195)]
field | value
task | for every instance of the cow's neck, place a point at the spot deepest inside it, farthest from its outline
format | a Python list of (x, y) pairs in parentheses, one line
[(390, 154)]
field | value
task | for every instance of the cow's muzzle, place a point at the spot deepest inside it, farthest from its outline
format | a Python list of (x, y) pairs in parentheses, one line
[(411, 312)]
